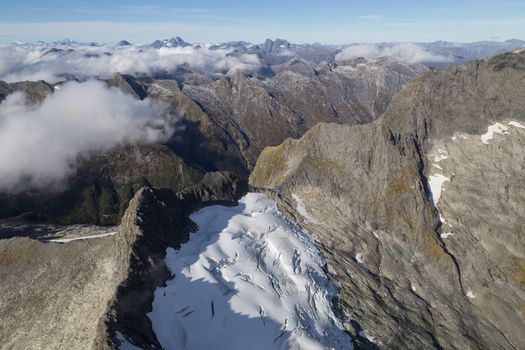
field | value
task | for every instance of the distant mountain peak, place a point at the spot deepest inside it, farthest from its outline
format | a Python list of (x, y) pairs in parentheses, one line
[(65, 42), (271, 46), (173, 42), (123, 43)]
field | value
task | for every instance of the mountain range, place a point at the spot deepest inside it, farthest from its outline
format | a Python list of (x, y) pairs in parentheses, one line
[(388, 212)]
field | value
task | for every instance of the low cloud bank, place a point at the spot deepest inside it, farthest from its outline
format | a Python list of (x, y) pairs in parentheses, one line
[(48, 62), (405, 52), (40, 146)]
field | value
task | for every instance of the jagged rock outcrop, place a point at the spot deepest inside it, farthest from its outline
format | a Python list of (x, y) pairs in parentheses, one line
[(129, 85), (173, 42), (419, 213), (5, 90), (79, 293)]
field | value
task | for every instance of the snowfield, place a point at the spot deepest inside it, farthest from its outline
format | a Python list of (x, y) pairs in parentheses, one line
[(81, 238), (248, 279)]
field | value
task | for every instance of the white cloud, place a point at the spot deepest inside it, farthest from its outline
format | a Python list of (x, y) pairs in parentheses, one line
[(37, 62), (404, 52), (40, 146)]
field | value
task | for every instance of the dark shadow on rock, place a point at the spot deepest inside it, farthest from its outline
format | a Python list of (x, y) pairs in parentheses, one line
[(206, 152)]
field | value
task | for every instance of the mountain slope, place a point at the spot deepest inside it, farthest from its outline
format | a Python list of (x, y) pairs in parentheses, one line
[(418, 217), (99, 191), (223, 124), (242, 114), (86, 287)]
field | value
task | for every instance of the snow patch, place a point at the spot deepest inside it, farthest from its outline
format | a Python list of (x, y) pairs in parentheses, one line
[(363, 334), (359, 258), (436, 183), (248, 279), (301, 209), (440, 157), (517, 125), (495, 128), (470, 294), (446, 234), (67, 240)]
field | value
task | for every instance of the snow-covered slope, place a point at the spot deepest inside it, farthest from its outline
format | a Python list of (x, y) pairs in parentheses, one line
[(248, 279)]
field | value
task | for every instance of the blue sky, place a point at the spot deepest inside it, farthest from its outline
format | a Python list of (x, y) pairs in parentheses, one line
[(329, 21)]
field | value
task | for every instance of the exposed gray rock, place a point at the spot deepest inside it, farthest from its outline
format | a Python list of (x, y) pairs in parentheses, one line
[(35, 92), (53, 295), (415, 274), (79, 293), (5, 90), (230, 120), (129, 85)]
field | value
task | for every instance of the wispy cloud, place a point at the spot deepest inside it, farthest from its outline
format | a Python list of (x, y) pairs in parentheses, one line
[(163, 9), (480, 23), (74, 9), (369, 17), (40, 146), (404, 52), (36, 62)]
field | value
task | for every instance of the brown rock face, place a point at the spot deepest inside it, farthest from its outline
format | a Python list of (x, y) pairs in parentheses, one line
[(418, 213), (53, 295)]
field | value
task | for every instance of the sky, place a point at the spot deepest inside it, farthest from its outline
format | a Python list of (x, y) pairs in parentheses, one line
[(300, 21)]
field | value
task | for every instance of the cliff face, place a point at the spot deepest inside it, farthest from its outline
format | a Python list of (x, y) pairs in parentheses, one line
[(76, 287), (156, 219), (419, 213)]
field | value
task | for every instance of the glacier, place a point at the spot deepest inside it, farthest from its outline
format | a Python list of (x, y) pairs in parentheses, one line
[(247, 279)]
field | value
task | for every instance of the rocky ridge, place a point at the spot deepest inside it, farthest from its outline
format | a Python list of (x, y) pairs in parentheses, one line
[(97, 286), (419, 212), (223, 124)]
